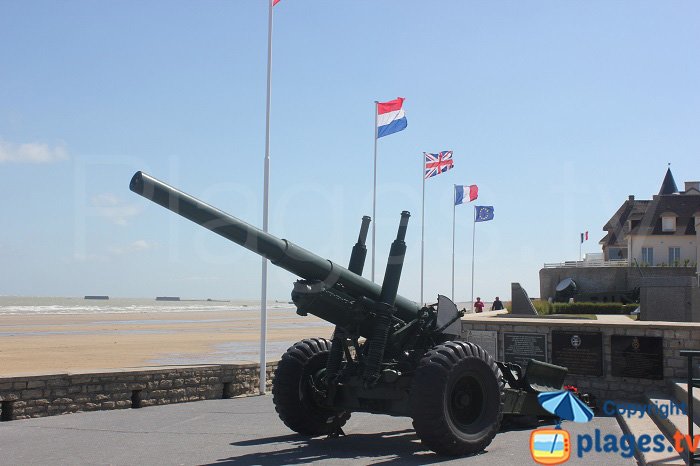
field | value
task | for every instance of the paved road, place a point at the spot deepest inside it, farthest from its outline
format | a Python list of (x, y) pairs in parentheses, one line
[(246, 431)]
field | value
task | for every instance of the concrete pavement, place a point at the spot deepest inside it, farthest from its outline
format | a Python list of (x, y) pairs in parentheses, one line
[(247, 431)]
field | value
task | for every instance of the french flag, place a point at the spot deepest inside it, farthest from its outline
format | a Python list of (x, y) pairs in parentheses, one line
[(390, 117), (464, 194)]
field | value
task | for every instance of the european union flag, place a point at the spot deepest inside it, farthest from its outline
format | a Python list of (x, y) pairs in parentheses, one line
[(483, 213)]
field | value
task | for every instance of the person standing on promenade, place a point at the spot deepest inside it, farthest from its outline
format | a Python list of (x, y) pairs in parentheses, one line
[(478, 305), (497, 304)]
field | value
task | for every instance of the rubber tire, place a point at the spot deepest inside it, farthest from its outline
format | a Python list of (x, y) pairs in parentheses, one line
[(291, 391), (443, 374)]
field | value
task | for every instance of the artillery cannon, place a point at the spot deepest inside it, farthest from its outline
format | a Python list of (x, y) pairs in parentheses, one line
[(387, 355)]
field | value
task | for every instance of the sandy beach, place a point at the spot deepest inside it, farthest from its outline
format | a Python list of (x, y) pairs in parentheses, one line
[(45, 343), (48, 335)]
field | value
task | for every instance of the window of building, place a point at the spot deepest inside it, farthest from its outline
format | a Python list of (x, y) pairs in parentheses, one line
[(648, 256), (668, 223), (615, 254), (674, 256)]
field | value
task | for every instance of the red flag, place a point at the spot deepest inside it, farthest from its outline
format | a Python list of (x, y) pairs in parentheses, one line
[(275, 2)]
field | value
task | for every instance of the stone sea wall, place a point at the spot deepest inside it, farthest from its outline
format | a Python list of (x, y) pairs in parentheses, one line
[(614, 280), (48, 395)]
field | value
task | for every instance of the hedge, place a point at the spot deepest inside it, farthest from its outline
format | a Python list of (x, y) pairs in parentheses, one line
[(544, 307)]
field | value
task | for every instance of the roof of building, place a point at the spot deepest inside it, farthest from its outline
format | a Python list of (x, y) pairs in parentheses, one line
[(669, 184), (644, 217), (680, 206), (617, 227)]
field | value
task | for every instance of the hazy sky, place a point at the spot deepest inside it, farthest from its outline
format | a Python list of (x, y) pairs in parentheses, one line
[(557, 110)]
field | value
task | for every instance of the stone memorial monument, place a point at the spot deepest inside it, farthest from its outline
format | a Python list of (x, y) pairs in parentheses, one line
[(521, 301)]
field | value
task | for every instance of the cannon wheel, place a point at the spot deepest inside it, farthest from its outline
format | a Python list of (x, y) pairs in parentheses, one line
[(293, 390), (457, 399)]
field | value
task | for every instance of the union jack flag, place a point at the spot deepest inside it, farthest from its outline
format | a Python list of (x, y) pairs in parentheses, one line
[(437, 163)]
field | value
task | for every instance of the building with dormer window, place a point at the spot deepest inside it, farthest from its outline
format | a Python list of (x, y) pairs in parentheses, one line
[(657, 232), (645, 239)]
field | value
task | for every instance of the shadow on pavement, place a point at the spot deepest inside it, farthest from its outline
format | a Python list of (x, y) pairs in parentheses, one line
[(519, 423), (402, 446)]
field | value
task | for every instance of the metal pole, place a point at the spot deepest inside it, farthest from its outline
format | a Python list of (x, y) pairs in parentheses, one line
[(266, 198), (697, 249), (374, 189), (454, 207), (473, 243), (422, 232), (689, 410)]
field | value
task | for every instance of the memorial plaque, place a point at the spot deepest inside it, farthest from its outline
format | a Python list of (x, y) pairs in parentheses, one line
[(519, 347), (640, 357), (580, 352), (487, 339)]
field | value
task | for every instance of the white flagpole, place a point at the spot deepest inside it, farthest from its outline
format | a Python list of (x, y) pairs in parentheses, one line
[(454, 207), (374, 189), (266, 198), (473, 243), (422, 230)]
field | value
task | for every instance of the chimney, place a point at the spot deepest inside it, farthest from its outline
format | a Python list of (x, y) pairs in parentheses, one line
[(631, 198), (692, 185)]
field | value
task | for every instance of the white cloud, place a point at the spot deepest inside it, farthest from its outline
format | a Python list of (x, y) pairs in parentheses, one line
[(109, 253), (31, 152), (105, 200), (199, 278), (136, 246), (79, 257), (114, 209)]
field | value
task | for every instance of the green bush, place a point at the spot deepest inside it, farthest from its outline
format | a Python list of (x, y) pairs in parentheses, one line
[(544, 307)]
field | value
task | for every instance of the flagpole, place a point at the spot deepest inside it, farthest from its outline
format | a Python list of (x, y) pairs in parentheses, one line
[(266, 198), (473, 249), (580, 243), (422, 233), (374, 188), (454, 207)]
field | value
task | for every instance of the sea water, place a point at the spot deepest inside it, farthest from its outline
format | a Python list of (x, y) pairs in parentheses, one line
[(31, 305), (240, 311)]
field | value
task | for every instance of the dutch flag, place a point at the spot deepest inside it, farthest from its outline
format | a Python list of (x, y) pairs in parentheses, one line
[(390, 117)]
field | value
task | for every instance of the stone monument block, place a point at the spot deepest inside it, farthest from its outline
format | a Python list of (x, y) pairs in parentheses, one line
[(521, 301), (668, 299)]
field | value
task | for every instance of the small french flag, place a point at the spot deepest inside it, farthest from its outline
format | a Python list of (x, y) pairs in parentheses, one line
[(390, 117), (464, 194)]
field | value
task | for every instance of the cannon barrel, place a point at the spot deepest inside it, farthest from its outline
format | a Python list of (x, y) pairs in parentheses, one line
[(359, 251), (280, 252)]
